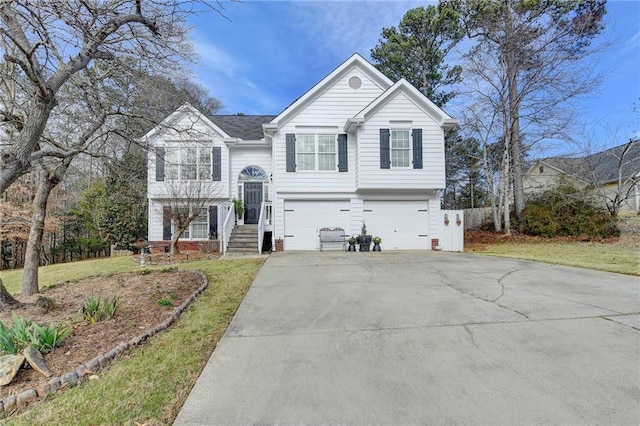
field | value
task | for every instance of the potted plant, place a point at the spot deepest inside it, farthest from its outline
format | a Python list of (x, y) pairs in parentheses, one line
[(238, 205), (364, 239), (376, 243), (352, 240)]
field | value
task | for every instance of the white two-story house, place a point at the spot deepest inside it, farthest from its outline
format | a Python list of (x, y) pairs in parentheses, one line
[(356, 148)]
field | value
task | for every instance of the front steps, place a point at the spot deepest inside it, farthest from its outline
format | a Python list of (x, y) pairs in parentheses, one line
[(243, 240)]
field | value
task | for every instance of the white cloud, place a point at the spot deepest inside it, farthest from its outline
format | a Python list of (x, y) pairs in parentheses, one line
[(344, 27)]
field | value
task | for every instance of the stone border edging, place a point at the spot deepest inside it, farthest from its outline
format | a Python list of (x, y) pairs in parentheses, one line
[(12, 402)]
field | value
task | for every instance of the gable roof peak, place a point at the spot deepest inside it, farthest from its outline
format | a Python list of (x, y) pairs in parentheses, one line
[(354, 60), (402, 85)]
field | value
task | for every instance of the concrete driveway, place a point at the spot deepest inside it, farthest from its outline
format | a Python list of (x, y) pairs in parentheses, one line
[(402, 338)]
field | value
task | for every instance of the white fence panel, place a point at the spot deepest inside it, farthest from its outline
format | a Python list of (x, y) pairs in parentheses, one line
[(451, 230)]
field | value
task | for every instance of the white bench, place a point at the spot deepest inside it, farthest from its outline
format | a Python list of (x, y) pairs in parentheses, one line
[(332, 236)]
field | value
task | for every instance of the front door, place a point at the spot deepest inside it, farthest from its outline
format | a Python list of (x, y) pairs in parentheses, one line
[(252, 202)]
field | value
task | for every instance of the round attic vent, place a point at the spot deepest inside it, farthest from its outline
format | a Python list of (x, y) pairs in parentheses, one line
[(355, 83)]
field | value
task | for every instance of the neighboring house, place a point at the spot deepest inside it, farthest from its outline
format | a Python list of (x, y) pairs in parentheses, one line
[(355, 148), (615, 171)]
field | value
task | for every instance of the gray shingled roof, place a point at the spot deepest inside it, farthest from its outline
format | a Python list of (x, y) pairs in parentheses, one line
[(245, 127), (603, 166)]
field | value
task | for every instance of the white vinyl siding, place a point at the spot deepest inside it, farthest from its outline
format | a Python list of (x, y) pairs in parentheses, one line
[(242, 157), (325, 114), (340, 101), (400, 108)]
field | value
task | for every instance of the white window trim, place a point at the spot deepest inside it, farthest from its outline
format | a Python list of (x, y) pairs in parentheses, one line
[(189, 230), (409, 149), (316, 152), (181, 149)]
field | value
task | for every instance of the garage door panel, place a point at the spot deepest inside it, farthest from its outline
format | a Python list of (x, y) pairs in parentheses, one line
[(303, 220), (402, 225)]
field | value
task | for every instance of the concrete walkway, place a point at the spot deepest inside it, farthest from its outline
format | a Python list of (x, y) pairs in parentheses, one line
[(403, 338)]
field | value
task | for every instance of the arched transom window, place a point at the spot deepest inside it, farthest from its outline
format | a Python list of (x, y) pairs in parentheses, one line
[(253, 173)]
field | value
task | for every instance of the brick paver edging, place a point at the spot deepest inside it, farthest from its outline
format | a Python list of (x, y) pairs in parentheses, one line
[(12, 402)]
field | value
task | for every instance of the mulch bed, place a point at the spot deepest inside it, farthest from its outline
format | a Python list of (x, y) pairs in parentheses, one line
[(138, 310)]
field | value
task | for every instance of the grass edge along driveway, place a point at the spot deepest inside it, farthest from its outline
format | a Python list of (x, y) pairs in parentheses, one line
[(598, 256), (149, 384)]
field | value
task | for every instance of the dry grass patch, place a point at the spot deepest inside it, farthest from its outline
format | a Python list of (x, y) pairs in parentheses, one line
[(613, 255)]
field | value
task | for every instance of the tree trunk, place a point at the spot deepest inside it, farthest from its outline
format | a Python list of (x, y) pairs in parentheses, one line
[(7, 301), (497, 224), (514, 112), (48, 181), (34, 244), (504, 188), (174, 241)]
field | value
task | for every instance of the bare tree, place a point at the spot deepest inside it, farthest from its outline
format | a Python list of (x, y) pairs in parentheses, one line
[(73, 68), (45, 44), (191, 182), (541, 48), (187, 201), (614, 174)]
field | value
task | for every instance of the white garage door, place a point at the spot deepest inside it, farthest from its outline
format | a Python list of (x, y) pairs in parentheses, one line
[(402, 225), (303, 220)]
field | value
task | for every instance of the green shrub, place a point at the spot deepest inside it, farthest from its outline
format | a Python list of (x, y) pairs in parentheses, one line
[(565, 211), (165, 302), (144, 271), (95, 308), (7, 344), (24, 333), (167, 269), (110, 306), (47, 338)]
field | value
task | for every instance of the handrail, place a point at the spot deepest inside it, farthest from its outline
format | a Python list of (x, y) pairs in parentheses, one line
[(261, 227), (227, 227), (263, 220)]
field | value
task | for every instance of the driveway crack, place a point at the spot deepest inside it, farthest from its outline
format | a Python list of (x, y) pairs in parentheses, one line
[(473, 340), (502, 285), (612, 319), (445, 281)]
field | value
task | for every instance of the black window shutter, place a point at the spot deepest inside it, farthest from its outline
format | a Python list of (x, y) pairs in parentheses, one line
[(343, 158), (291, 152), (159, 164), (385, 155), (213, 222), (417, 148), (166, 223), (216, 166)]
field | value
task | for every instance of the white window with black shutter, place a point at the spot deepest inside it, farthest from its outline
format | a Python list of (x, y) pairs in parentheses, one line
[(400, 148), (316, 152)]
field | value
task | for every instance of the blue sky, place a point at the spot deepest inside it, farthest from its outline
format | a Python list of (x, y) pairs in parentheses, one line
[(269, 53)]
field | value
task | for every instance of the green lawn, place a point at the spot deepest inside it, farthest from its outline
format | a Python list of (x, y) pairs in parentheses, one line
[(61, 272), (149, 384), (605, 257)]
